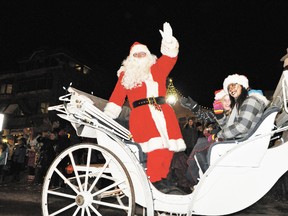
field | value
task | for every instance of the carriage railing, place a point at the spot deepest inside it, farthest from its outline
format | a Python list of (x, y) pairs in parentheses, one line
[(80, 110)]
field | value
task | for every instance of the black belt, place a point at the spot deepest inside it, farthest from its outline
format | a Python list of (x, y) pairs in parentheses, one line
[(151, 100)]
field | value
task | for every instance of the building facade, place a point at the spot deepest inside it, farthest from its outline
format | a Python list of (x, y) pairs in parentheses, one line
[(26, 94)]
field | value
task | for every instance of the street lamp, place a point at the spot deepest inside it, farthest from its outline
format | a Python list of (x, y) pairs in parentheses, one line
[(171, 93)]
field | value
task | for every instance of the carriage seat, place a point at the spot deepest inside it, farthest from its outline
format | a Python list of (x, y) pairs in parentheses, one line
[(137, 151), (247, 151)]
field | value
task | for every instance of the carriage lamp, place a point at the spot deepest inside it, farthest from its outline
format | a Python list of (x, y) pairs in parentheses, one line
[(171, 93)]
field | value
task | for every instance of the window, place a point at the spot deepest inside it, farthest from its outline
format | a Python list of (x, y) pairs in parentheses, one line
[(44, 107), (9, 89), (6, 89)]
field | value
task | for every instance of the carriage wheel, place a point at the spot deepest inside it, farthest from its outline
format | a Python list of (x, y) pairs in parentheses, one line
[(87, 179)]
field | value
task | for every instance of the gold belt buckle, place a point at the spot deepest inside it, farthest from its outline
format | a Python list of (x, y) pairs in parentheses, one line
[(155, 104)]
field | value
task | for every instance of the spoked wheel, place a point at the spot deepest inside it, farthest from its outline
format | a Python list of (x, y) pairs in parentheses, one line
[(88, 179)]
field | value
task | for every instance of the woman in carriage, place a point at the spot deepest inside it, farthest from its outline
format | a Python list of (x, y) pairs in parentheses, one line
[(247, 110)]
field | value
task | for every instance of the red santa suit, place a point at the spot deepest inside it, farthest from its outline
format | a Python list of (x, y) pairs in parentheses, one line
[(156, 130)]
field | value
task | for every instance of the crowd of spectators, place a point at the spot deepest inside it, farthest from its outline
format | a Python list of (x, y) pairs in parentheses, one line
[(28, 157)]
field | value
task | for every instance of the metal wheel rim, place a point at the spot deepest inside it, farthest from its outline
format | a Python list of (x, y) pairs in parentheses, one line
[(86, 177)]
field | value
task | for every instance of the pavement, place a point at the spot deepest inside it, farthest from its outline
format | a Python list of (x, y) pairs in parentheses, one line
[(20, 199), (23, 199)]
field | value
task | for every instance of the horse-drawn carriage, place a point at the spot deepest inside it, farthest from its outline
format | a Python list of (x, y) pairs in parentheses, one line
[(109, 173)]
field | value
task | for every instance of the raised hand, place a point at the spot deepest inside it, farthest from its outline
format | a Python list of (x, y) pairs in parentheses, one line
[(167, 33), (189, 103)]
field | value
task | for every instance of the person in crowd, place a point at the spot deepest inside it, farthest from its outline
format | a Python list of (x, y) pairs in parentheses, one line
[(199, 127), (246, 113), (31, 154), (56, 126), (3, 160), (63, 143), (190, 135), (33, 149), (142, 78), (47, 154), (18, 158), (10, 146)]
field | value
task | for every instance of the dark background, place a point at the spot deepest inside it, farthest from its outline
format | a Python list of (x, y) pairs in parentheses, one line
[(217, 37)]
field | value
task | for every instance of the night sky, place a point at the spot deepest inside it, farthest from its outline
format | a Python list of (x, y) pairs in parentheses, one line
[(217, 38)]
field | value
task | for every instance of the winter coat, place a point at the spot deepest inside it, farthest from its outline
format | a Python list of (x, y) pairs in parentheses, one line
[(247, 117), (31, 158), (4, 156), (19, 154), (190, 135)]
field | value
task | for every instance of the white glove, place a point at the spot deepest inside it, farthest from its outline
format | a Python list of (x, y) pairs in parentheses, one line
[(167, 33), (169, 45)]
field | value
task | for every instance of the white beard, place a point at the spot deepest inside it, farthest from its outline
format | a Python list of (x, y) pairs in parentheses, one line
[(136, 70)]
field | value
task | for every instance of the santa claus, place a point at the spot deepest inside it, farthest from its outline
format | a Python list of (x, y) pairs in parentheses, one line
[(153, 123)]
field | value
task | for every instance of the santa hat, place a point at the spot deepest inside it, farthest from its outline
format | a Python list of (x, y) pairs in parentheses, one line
[(219, 94), (138, 47), (235, 78)]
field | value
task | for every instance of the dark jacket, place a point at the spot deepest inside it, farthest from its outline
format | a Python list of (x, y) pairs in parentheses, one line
[(190, 135), (19, 153)]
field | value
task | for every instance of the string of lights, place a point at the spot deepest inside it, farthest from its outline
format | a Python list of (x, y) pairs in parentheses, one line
[(173, 94)]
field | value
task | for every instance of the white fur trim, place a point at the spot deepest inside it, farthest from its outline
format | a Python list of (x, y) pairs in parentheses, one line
[(220, 95), (170, 49), (260, 97), (139, 48), (112, 110), (156, 143), (235, 78), (120, 70), (163, 141), (152, 87), (177, 145)]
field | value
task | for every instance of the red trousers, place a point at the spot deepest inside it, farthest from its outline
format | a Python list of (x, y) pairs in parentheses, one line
[(158, 164)]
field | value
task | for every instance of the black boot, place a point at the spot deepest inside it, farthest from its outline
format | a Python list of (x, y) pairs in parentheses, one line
[(187, 190), (162, 187), (159, 185), (169, 182)]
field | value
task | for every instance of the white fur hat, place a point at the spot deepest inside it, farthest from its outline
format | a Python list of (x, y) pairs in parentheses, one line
[(235, 78), (219, 94), (138, 47)]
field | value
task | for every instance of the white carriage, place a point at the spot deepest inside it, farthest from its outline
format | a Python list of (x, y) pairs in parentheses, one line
[(110, 172)]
